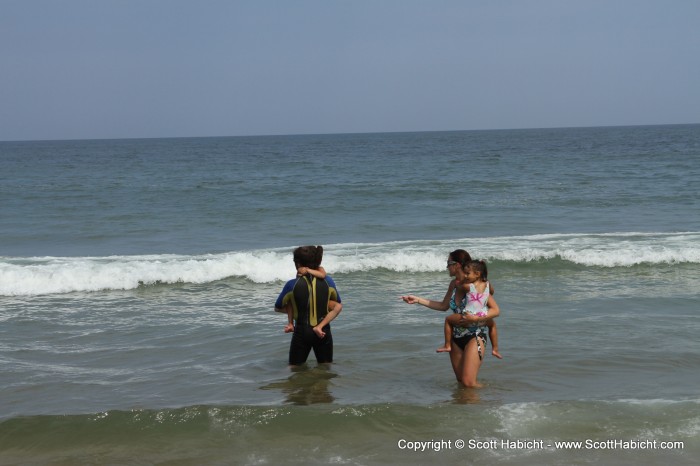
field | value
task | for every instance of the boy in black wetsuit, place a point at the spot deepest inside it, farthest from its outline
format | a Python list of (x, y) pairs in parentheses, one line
[(315, 302)]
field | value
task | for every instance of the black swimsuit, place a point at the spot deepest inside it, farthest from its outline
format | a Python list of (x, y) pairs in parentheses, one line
[(464, 339)]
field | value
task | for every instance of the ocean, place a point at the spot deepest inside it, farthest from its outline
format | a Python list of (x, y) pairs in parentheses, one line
[(138, 278)]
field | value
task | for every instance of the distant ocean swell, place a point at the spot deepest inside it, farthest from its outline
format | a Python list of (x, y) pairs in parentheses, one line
[(366, 433), (28, 276)]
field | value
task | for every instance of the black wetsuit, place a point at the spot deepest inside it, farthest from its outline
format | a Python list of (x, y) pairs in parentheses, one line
[(310, 297)]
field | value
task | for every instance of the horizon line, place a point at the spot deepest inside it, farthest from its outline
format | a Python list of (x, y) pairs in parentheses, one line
[(346, 133)]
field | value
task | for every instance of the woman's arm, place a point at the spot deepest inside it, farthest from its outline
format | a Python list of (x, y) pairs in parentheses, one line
[(492, 312), (437, 305)]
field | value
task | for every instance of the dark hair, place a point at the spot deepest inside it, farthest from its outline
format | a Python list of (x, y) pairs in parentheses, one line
[(308, 256), (479, 266), (460, 256)]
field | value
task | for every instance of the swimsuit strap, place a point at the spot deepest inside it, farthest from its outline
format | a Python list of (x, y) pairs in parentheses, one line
[(453, 302)]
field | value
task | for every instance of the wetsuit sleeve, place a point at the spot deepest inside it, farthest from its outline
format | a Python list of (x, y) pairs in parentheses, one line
[(334, 295), (286, 295)]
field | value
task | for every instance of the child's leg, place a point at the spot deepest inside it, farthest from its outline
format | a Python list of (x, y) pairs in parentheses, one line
[(318, 330), (493, 334), (450, 321), (290, 319)]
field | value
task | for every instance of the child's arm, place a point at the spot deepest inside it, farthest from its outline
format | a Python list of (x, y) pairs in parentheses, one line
[(318, 273)]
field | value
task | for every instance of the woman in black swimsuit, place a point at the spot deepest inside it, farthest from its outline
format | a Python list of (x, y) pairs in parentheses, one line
[(464, 355)]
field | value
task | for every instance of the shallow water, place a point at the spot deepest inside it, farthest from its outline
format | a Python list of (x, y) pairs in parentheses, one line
[(137, 280)]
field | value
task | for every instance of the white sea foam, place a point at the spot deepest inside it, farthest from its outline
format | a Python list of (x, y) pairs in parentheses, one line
[(655, 401), (48, 275), (63, 274)]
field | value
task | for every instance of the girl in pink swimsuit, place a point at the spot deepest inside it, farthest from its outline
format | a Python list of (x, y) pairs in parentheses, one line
[(476, 302)]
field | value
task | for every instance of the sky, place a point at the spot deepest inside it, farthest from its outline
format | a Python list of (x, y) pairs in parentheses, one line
[(95, 69)]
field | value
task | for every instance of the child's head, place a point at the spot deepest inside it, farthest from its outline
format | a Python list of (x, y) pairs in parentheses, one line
[(308, 256), (478, 268)]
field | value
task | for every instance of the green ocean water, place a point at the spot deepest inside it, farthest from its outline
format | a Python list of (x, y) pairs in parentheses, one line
[(137, 280)]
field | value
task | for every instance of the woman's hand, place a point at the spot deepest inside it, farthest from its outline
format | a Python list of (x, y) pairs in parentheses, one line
[(468, 320), (410, 299)]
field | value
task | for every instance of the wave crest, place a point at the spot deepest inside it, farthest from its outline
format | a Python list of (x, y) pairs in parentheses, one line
[(48, 275)]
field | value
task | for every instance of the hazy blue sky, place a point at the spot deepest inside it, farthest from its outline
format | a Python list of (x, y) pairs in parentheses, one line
[(74, 69)]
